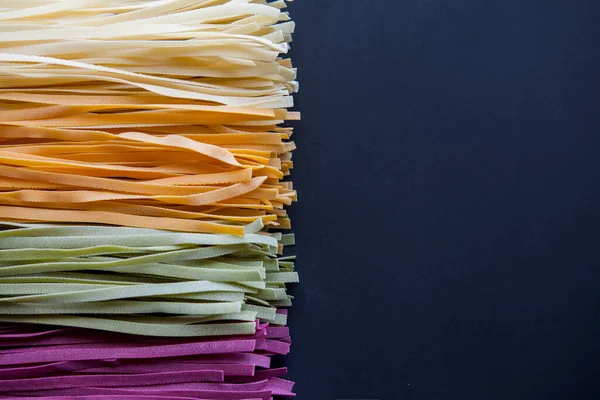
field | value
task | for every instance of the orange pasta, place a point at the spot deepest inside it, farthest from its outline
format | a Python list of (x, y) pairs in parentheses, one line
[(113, 120)]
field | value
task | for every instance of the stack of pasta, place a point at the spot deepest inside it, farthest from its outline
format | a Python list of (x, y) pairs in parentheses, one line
[(144, 155)]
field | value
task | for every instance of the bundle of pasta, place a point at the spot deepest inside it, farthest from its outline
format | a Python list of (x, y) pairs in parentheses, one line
[(81, 364), (148, 114), (108, 278), (143, 152)]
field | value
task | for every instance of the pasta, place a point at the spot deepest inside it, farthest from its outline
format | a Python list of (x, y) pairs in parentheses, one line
[(145, 150)]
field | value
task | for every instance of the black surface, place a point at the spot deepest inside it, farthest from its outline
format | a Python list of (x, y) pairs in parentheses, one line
[(448, 219)]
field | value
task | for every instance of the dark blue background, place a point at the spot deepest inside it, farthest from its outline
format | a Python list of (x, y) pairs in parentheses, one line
[(448, 222)]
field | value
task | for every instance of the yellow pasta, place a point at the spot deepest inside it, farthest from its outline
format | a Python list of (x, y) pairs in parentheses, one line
[(147, 114)]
